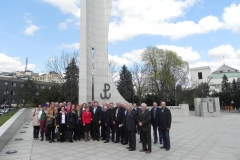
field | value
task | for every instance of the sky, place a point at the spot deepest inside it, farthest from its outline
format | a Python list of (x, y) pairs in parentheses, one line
[(202, 32)]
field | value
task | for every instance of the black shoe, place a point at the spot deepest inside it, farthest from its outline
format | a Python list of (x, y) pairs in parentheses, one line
[(128, 147), (124, 143), (160, 142), (50, 141), (140, 141), (116, 142), (79, 139), (162, 147), (154, 142), (41, 139), (53, 141), (167, 149), (75, 139), (131, 149), (94, 139), (71, 141), (106, 141), (112, 140)]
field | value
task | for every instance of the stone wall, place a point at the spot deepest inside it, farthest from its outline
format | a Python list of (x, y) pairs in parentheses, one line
[(9, 128)]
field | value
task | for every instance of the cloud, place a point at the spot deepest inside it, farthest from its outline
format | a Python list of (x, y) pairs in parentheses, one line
[(70, 46), (64, 25), (224, 54), (31, 29), (154, 17), (9, 64), (66, 6), (187, 53), (229, 17)]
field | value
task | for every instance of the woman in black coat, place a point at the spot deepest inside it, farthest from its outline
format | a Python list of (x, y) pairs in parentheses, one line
[(62, 123), (71, 122)]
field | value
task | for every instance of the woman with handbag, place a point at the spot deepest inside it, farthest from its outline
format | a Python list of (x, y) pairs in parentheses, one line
[(36, 122), (51, 121), (71, 122)]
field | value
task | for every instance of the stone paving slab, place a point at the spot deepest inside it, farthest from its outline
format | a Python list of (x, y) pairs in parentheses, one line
[(192, 138)]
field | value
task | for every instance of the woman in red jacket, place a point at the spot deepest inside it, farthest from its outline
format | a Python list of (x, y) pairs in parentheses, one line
[(86, 119)]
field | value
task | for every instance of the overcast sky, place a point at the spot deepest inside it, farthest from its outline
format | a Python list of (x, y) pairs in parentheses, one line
[(202, 32)]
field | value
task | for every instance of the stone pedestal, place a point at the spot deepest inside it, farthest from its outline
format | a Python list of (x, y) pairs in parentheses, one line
[(207, 107)]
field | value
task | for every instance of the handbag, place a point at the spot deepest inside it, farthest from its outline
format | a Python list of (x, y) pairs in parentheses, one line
[(49, 123)]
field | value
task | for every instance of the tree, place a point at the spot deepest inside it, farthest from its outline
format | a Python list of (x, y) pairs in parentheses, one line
[(52, 94), (168, 72), (71, 78), (58, 65), (202, 90), (125, 84), (226, 91), (140, 80), (29, 92)]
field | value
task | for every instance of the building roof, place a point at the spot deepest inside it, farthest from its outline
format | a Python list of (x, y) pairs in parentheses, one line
[(200, 68), (228, 74), (225, 69)]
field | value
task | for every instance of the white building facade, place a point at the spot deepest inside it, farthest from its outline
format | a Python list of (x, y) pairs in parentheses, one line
[(203, 74)]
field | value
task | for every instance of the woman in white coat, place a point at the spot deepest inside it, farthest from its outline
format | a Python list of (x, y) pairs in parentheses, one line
[(36, 122)]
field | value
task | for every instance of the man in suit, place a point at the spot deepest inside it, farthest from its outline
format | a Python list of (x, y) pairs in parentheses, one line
[(164, 119), (131, 120), (103, 123), (118, 120), (109, 122), (154, 115), (144, 120), (96, 120), (125, 132)]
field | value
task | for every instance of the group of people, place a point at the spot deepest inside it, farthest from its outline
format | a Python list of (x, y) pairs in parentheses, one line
[(120, 123)]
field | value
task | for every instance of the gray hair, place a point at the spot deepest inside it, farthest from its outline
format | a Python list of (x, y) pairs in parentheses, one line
[(143, 105)]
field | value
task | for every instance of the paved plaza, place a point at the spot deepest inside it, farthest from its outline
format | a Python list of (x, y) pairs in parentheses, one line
[(192, 138)]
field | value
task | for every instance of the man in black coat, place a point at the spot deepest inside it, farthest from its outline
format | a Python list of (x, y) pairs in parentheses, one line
[(109, 122), (164, 120), (125, 132), (144, 120), (103, 123), (96, 120), (131, 120), (118, 121), (154, 115)]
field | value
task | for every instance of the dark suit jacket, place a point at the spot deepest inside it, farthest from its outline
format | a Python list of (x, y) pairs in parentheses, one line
[(164, 119), (145, 118), (131, 120), (154, 121), (104, 117), (97, 116), (110, 116), (119, 115), (73, 116)]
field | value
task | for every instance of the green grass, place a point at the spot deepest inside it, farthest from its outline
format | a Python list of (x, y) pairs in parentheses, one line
[(5, 117)]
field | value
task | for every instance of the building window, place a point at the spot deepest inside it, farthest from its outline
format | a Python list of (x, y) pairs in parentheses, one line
[(199, 75), (14, 84), (13, 101), (22, 85), (13, 93), (49, 87), (42, 87), (6, 92)]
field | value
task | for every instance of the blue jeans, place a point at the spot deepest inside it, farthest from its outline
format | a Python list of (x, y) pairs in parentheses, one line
[(166, 138), (155, 130)]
